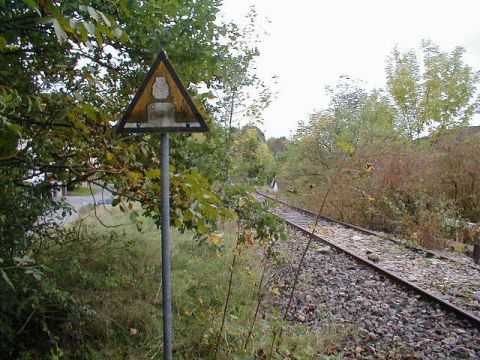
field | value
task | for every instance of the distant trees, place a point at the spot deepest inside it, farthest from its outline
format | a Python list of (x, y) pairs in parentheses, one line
[(390, 179), (357, 117), (437, 93), (252, 160), (277, 145)]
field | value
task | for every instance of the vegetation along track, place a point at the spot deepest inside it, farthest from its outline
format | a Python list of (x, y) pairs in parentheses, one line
[(449, 283)]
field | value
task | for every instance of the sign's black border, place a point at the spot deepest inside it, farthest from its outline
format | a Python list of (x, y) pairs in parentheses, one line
[(162, 56)]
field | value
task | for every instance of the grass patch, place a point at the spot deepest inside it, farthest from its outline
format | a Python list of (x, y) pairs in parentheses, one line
[(117, 273)]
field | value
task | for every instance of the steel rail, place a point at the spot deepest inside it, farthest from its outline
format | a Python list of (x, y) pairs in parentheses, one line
[(366, 231), (403, 282)]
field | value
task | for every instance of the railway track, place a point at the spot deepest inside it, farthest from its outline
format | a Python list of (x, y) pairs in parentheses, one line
[(465, 261), (359, 312), (435, 277)]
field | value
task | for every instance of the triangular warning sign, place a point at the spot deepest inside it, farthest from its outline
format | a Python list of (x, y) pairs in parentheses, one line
[(162, 104)]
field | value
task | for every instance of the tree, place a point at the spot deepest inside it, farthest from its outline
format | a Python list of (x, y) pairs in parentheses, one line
[(380, 185), (253, 161), (68, 70), (437, 95), (403, 83), (355, 117), (240, 96), (277, 145)]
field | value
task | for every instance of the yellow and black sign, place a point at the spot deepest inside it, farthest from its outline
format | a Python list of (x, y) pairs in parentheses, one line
[(162, 104)]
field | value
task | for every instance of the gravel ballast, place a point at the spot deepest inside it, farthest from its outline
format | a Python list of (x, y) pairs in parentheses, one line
[(387, 320)]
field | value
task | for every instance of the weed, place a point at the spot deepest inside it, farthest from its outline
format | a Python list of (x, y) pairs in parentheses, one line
[(114, 275)]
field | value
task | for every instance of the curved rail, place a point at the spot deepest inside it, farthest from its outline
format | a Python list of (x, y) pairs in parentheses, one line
[(424, 293)]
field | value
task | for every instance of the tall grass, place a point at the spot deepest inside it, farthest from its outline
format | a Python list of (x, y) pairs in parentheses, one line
[(116, 272)]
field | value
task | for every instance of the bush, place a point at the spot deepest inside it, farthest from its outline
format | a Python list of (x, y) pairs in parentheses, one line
[(425, 191)]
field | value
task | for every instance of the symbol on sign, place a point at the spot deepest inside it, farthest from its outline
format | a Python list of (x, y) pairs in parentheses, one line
[(160, 89), (161, 114)]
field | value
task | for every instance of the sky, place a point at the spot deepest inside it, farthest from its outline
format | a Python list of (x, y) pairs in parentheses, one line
[(310, 44)]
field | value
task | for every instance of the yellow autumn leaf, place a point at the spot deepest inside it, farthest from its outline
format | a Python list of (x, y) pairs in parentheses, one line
[(367, 196), (134, 176), (249, 238), (264, 240), (347, 147), (275, 291), (369, 167), (216, 239), (154, 173), (109, 156), (190, 313)]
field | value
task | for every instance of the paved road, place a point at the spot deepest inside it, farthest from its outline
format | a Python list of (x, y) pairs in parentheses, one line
[(77, 202)]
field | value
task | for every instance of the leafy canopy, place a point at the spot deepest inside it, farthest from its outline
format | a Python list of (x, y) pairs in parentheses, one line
[(68, 69)]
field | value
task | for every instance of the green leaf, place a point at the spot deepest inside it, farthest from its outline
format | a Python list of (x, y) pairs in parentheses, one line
[(24, 260), (61, 34), (15, 129), (32, 4), (90, 28), (105, 19), (99, 37), (82, 30), (102, 29), (134, 215), (202, 227), (7, 279), (347, 147), (3, 43), (36, 273), (124, 7)]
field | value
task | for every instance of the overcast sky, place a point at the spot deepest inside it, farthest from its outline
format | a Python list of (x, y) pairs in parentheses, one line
[(311, 43)]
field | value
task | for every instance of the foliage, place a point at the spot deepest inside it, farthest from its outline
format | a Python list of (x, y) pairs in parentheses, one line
[(424, 191), (240, 96), (354, 118), (68, 70), (65, 131), (277, 145), (252, 159), (438, 94), (357, 117), (423, 188), (114, 276)]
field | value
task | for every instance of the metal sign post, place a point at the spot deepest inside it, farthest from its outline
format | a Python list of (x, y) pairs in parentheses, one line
[(163, 105), (166, 253)]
